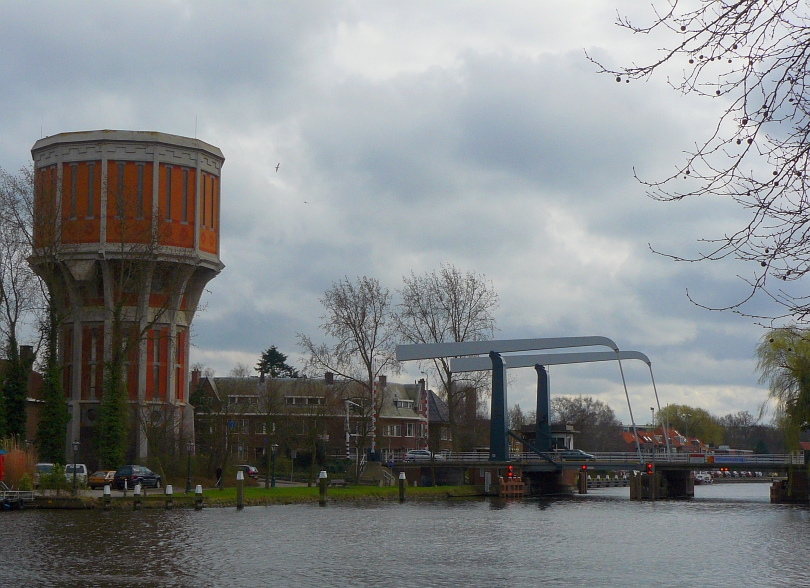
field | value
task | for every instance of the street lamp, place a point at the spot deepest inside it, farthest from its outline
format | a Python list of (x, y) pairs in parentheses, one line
[(687, 416), (190, 449), (76, 446), (652, 410), (273, 447)]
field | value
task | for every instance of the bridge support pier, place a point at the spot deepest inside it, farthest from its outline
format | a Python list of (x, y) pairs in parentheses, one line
[(662, 484), (793, 489)]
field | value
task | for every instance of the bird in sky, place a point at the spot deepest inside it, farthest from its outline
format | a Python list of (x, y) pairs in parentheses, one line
[(277, 166)]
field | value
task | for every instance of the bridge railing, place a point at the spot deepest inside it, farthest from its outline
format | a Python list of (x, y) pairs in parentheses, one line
[(625, 457)]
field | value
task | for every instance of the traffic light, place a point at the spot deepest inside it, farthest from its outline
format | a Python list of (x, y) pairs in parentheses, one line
[(583, 467), (649, 468), (509, 472)]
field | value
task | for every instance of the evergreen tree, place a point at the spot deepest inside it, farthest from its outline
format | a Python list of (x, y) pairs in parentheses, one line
[(15, 391), (54, 417), (113, 420), (274, 364)]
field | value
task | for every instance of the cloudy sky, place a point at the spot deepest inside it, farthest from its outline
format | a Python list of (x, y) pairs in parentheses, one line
[(412, 134)]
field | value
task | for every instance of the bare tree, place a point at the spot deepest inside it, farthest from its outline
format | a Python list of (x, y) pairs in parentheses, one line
[(240, 370), (449, 306), (596, 422), (19, 303), (30, 213), (752, 56), (358, 318)]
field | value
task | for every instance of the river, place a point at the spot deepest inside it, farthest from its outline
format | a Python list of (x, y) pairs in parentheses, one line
[(728, 534)]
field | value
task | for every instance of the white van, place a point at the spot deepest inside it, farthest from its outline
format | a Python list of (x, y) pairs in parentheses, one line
[(81, 473)]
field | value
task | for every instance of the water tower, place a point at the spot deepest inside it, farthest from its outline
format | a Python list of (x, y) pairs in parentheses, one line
[(130, 203)]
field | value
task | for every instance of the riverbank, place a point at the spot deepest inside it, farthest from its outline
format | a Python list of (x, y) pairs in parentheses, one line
[(258, 497)]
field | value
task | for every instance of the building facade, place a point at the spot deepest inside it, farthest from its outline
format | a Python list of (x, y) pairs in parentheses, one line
[(243, 417), (133, 219)]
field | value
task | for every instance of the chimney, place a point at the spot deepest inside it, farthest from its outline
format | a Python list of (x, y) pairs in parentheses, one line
[(195, 379), (329, 378), (383, 381), (27, 355)]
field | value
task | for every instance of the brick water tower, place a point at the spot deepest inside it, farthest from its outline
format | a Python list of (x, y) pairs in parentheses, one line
[(136, 233)]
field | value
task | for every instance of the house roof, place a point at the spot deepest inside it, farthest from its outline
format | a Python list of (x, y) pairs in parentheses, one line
[(437, 409)]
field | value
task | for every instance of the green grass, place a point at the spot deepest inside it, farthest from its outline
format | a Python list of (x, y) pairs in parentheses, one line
[(255, 496)]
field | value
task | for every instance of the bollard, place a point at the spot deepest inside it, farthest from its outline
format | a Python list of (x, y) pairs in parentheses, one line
[(322, 482), (198, 500), (402, 483), (106, 497), (169, 500), (136, 502), (125, 487), (240, 490)]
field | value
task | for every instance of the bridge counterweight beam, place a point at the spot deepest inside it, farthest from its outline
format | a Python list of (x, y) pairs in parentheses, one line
[(499, 429), (542, 439)]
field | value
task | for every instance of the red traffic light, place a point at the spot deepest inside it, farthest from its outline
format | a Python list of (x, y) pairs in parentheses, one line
[(509, 472), (649, 468), (583, 467)]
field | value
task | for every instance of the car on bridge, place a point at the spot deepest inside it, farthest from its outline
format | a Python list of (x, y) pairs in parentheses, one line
[(422, 455), (572, 455)]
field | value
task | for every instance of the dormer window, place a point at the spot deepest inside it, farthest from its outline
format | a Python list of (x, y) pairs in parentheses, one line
[(403, 404)]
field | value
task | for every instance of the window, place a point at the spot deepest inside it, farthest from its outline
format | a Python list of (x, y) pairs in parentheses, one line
[(185, 195), (403, 403), (90, 178), (73, 190), (392, 431), (204, 198), (445, 434), (243, 426), (140, 191), (168, 193), (119, 193), (410, 430)]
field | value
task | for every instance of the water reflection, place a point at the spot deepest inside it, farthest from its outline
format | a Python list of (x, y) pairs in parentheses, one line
[(724, 536)]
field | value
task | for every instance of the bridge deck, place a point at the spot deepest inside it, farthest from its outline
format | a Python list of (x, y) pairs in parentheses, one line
[(620, 461)]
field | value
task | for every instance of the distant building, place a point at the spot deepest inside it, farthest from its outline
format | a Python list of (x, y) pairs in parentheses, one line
[(244, 417)]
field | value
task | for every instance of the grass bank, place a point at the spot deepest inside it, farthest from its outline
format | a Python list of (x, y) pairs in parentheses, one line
[(265, 497)]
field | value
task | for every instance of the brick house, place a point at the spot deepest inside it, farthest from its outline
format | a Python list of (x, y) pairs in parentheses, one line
[(242, 417)]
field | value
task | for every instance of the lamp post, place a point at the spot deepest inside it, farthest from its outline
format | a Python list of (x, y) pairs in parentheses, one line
[(273, 447), (76, 446), (687, 416), (652, 435), (189, 448)]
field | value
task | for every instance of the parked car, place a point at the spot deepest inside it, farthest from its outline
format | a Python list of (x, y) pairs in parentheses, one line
[(101, 478), (573, 455), (135, 474), (41, 469), (703, 478), (81, 473), (250, 471), (419, 455)]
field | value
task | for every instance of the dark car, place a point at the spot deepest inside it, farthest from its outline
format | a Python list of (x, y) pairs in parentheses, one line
[(135, 474), (250, 471)]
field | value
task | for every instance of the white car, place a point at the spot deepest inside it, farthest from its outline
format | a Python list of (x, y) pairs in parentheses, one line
[(81, 473), (420, 455)]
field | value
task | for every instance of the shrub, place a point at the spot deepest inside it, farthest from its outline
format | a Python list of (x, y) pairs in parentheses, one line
[(26, 483)]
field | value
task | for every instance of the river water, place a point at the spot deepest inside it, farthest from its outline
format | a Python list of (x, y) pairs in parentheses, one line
[(728, 534)]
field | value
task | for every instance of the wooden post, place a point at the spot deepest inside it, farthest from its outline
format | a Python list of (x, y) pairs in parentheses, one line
[(169, 497), (322, 482), (582, 483), (240, 490), (402, 483)]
